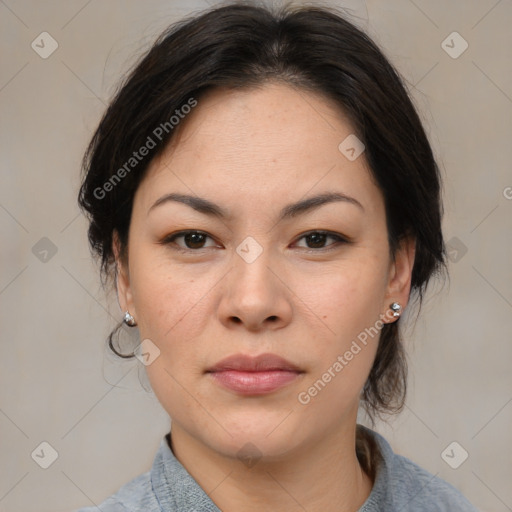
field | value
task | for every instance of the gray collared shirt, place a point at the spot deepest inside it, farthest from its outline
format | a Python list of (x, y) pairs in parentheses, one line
[(400, 485)]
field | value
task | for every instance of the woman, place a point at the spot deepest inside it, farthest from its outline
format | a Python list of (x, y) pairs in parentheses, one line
[(264, 195)]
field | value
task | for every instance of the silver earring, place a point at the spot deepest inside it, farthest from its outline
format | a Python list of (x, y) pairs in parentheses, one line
[(396, 308), (129, 320)]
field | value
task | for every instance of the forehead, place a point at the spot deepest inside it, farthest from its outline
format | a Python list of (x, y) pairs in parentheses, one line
[(271, 143)]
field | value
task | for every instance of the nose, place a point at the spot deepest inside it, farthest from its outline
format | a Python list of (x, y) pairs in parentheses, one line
[(254, 296)]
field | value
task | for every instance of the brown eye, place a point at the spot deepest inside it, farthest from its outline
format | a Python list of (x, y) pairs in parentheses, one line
[(317, 239), (192, 240)]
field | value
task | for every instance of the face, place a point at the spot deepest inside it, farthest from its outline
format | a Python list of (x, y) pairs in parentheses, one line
[(255, 275)]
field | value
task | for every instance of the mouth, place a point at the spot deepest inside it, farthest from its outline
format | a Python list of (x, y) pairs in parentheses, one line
[(248, 375)]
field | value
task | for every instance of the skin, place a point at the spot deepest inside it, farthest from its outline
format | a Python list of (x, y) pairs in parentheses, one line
[(253, 152)]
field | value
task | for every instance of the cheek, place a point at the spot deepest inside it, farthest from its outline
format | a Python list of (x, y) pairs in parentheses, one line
[(349, 304), (169, 301), (172, 307), (347, 299)]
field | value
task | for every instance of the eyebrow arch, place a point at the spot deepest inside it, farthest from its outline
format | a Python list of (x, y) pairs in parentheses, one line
[(290, 211)]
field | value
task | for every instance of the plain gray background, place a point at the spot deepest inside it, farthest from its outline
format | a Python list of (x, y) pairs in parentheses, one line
[(61, 386)]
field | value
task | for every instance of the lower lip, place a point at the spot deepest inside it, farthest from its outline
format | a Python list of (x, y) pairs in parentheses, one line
[(254, 383)]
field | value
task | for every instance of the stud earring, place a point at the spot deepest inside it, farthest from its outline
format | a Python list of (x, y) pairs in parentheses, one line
[(396, 308), (129, 320)]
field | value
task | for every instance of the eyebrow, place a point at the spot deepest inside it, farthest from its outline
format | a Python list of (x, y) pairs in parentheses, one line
[(207, 207)]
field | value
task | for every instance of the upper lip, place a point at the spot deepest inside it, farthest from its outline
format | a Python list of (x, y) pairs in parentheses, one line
[(260, 363)]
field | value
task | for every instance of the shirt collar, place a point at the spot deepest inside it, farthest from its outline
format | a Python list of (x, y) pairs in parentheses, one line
[(174, 487)]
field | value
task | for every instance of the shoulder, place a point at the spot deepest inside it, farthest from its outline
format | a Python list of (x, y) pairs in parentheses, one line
[(424, 491), (400, 484), (166, 486), (133, 496)]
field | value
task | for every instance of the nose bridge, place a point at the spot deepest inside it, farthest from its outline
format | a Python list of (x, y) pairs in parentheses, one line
[(251, 265), (250, 250)]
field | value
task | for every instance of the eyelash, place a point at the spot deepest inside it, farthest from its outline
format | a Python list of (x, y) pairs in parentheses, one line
[(168, 240)]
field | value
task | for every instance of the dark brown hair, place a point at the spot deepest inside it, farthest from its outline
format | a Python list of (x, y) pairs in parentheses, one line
[(311, 48)]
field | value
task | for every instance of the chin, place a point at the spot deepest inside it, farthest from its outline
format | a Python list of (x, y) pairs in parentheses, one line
[(256, 435)]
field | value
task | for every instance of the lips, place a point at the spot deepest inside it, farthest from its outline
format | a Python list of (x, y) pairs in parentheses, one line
[(258, 375), (263, 362)]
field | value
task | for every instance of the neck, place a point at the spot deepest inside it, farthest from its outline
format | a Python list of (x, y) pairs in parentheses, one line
[(325, 476)]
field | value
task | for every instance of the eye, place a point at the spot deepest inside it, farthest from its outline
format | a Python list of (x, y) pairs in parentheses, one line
[(317, 239), (192, 239)]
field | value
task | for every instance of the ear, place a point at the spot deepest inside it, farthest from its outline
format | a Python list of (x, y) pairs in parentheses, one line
[(124, 292), (400, 273)]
